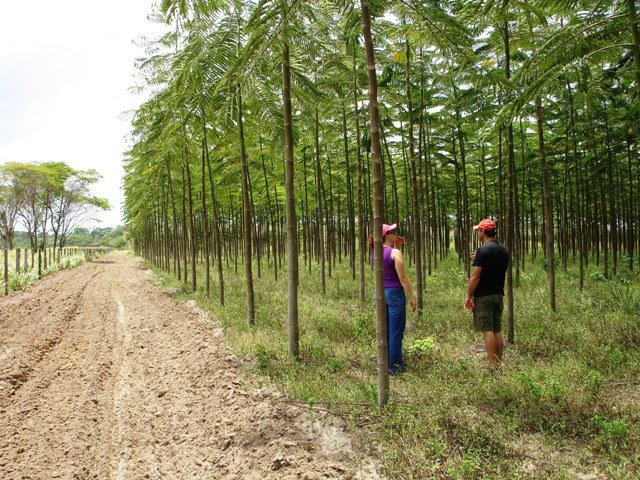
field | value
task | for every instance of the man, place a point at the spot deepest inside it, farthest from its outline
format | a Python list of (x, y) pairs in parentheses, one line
[(485, 291)]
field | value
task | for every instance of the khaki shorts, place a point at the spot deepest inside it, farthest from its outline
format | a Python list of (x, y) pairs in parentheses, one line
[(487, 316)]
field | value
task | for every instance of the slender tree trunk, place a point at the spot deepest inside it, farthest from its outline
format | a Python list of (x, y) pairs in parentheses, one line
[(254, 224), (185, 235), (546, 187), (320, 238), (632, 219), (501, 207), (457, 234), (6, 267), (292, 235), (577, 177), (566, 188), (361, 231), (424, 176), (246, 216), (331, 227), (350, 202), (272, 227), (613, 217), (307, 215), (394, 182), (635, 46), (435, 230), (483, 167), (217, 243), (205, 218), (378, 212), (174, 224), (415, 204), (510, 194), (464, 221), (191, 224)]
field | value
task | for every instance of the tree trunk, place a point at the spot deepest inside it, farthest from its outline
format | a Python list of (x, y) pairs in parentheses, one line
[(350, 202), (320, 238), (415, 204), (205, 218), (635, 47), (378, 211), (292, 233), (548, 215), (6, 267), (361, 233), (307, 215), (217, 243), (464, 221), (510, 193), (272, 227), (191, 224), (185, 234), (246, 216), (632, 219), (578, 223)]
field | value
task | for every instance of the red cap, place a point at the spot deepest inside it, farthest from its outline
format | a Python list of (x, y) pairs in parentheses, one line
[(387, 228), (486, 224)]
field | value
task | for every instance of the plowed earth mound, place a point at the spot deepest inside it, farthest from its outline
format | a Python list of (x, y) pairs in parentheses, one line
[(104, 376)]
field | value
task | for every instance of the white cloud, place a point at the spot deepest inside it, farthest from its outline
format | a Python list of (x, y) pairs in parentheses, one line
[(65, 73)]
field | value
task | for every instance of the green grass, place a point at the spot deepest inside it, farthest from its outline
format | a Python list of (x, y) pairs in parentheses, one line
[(565, 404), (22, 279)]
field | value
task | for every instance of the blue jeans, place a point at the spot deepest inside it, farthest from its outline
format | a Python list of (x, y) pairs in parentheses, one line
[(396, 322)]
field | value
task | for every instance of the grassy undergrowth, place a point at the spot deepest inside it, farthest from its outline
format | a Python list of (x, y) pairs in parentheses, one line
[(566, 404), (24, 278)]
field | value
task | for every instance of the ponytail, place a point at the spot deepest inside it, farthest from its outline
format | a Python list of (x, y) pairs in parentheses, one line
[(370, 244)]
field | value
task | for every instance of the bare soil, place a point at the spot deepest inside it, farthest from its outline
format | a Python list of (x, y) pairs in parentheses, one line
[(104, 376)]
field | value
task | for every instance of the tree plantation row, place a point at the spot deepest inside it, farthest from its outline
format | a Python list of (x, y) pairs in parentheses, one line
[(281, 128)]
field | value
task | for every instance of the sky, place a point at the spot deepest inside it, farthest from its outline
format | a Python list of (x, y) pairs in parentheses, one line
[(66, 72)]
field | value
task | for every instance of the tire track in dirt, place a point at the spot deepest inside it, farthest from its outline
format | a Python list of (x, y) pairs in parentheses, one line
[(140, 386), (52, 426), (14, 372)]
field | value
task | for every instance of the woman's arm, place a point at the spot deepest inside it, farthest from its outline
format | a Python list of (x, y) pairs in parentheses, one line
[(396, 256)]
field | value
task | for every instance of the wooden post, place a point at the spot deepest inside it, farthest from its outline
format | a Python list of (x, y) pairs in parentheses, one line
[(6, 271), (17, 260)]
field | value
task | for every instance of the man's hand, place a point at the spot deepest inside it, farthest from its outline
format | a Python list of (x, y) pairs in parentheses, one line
[(399, 242), (469, 304)]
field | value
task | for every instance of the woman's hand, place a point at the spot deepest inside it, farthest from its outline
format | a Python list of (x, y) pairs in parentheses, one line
[(413, 303), (399, 242)]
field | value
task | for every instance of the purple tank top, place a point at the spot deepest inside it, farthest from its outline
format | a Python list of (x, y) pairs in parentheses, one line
[(391, 279)]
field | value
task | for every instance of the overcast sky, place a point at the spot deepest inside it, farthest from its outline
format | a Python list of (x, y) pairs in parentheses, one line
[(66, 68)]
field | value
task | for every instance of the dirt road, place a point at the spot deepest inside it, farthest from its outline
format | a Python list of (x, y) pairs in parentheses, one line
[(104, 376)]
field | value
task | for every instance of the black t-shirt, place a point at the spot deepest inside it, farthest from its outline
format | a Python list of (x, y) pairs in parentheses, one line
[(493, 257)]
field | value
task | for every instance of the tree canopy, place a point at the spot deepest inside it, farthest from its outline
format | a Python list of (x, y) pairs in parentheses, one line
[(46, 197)]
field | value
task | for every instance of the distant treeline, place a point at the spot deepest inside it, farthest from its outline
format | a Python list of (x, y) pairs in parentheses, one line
[(48, 199), (84, 237)]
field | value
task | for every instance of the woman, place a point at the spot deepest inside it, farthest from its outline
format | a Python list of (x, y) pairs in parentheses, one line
[(396, 284)]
